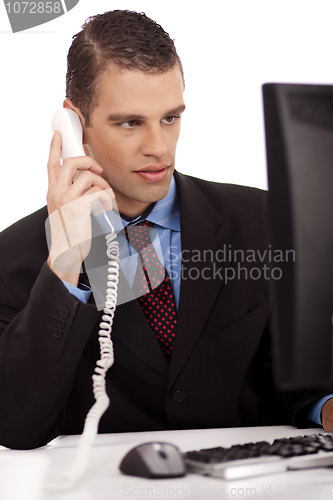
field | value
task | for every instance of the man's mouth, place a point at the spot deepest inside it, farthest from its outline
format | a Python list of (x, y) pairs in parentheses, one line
[(153, 173)]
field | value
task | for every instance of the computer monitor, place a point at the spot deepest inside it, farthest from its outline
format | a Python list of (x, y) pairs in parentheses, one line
[(299, 147)]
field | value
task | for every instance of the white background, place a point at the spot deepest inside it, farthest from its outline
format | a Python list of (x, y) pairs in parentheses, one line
[(228, 48)]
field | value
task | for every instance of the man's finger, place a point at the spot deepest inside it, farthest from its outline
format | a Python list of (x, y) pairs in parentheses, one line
[(77, 165), (55, 153), (88, 180), (105, 196)]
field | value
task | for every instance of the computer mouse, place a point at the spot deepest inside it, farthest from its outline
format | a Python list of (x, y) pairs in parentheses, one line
[(153, 460)]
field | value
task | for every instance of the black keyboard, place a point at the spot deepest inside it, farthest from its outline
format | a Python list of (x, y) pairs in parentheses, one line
[(252, 459)]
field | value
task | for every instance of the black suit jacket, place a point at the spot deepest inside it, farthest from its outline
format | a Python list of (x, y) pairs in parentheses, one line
[(220, 374)]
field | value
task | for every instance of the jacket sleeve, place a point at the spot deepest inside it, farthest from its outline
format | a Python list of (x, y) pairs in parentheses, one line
[(40, 345)]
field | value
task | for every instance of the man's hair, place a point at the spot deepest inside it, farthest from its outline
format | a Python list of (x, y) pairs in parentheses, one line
[(128, 39)]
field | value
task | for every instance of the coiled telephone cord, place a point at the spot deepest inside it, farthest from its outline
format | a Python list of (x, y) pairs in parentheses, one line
[(102, 401)]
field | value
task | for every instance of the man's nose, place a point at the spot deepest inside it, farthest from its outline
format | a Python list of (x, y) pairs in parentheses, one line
[(154, 142)]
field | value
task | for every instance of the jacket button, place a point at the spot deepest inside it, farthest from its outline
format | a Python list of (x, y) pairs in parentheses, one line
[(178, 396), (64, 313), (58, 333), (61, 323)]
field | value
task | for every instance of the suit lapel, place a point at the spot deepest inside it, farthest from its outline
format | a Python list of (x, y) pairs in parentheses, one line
[(133, 331), (202, 235)]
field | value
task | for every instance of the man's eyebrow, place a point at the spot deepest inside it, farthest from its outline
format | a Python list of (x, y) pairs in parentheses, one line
[(176, 111), (124, 117)]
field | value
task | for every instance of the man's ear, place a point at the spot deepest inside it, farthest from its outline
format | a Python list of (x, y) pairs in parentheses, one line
[(68, 104)]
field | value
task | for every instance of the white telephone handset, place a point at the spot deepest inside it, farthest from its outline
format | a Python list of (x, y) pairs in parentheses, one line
[(67, 122)]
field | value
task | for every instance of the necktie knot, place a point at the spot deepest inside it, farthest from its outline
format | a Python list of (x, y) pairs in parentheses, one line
[(138, 235)]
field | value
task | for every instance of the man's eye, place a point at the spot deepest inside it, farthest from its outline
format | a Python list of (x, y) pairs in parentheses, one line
[(171, 119), (129, 124)]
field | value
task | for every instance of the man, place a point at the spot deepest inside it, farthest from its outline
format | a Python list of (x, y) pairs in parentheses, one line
[(125, 82)]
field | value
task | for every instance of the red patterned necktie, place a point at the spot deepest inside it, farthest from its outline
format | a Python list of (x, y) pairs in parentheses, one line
[(157, 302)]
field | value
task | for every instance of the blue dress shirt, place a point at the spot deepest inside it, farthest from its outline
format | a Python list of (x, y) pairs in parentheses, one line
[(315, 412)]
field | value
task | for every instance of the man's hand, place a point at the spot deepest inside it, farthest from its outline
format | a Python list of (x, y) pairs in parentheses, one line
[(327, 415), (69, 206)]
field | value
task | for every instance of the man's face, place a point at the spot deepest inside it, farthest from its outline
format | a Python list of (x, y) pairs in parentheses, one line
[(134, 132)]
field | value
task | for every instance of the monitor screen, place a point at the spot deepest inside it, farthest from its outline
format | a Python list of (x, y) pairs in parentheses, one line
[(299, 148)]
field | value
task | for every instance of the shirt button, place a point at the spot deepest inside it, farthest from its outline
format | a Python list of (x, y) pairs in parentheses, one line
[(58, 333), (178, 396)]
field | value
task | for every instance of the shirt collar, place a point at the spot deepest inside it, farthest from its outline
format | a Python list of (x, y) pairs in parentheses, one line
[(166, 211), (164, 214)]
